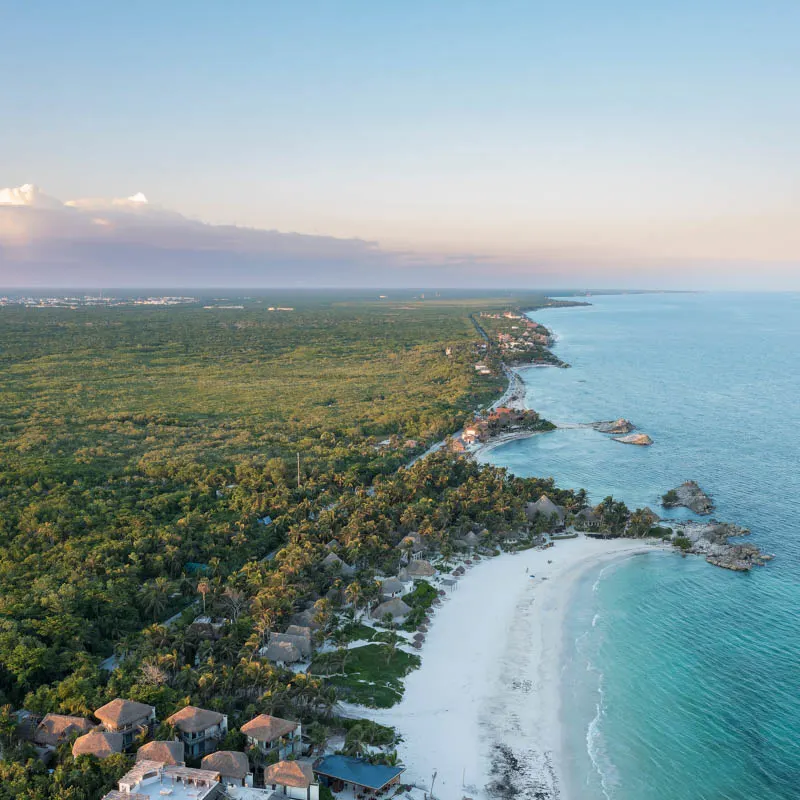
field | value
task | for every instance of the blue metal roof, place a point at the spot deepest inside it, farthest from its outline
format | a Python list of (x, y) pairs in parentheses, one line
[(355, 770)]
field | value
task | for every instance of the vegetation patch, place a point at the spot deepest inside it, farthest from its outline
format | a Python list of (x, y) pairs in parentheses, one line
[(370, 675)]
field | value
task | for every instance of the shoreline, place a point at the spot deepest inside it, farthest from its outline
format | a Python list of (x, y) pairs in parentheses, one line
[(488, 654)]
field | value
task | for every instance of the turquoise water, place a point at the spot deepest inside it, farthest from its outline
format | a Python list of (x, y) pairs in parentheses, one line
[(681, 680)]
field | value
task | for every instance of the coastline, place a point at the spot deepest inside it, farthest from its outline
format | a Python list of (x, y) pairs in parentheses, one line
[(490, 653)]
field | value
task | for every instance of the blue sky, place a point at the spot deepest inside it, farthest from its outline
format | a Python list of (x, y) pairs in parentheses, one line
[(582, 133)]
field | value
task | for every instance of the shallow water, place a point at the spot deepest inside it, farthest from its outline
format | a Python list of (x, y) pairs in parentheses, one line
[(681, 679)]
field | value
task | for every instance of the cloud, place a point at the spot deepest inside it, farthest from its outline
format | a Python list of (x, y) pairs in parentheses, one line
[(129, 242), (125, 242)]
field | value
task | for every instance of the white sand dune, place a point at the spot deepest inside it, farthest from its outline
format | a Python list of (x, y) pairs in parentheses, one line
[(487, 694)]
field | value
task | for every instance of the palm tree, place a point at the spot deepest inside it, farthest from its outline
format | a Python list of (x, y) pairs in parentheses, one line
[(155, 596), (204, 587)]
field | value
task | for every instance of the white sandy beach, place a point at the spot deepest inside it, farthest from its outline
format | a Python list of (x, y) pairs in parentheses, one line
[(488, 688)]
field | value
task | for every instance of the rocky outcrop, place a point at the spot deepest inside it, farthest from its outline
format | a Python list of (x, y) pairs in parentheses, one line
[(689, 495), (711, 539), (640, 439), (618, 427)]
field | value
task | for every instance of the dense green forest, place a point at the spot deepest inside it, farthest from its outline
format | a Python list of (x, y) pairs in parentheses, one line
[(148, 454)]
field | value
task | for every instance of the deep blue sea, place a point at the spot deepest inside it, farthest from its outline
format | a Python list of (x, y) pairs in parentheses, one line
[(681, 680)]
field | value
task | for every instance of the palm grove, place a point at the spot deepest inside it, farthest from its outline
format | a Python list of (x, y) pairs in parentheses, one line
[(149, 469)]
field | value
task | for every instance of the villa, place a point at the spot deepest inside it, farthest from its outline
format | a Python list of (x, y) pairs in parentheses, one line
[(126, 717), (396, 608), (272, 734), (344, 773), (152, 780), (392, 587), (546, 508), (281, 653), (57, 728), (294, 779), (167, 753), (199, 729), (233, 767), (97, 743)]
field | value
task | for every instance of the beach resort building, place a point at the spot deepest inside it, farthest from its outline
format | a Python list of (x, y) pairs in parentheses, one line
[(199, 729), (233, 767), (273, 735), (126, 717), (396, 608), (334, 563), (281, 654), (412, 546), (417, 569), (57, 728), (342, 773), (392, 587), (97, 743), (168, 753), (545, 508), (152, 780), (293, 779)]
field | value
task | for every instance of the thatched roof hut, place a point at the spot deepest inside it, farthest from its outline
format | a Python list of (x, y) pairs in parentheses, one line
[(544, 506), (396, 607), (281, 653), (229, 764), (100, 744), (419, 637), (294, 774), (57, 728), (392, 587), (418, 569), (171, 753), (333, 562), (302, 643), (470, 540)]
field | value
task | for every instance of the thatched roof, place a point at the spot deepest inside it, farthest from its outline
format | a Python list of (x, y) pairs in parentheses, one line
[(412, 540), (545, 506), (299, 630), (282, 652), (470, 540), (332, 561), (588, 515), (297, 774), (264, 728), (193, 720), (305, 619), (419, 569), (57, 728), (391, 586), (419, 637), (100, 744), (302, 643), (119, 712), (396, 607), (163, 752), (229, 764)]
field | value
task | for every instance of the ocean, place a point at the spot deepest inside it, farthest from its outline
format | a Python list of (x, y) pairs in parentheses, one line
[(681, 680)]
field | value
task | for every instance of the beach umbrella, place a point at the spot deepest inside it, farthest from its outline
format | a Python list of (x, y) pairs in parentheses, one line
[(417, 645), (419, 637), (423, 629)]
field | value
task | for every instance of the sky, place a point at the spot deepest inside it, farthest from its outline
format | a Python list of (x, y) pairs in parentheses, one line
[(361, 143)]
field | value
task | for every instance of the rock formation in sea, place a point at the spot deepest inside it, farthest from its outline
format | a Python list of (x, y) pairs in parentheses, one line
[(618, 427), (711, 539), (689, 495), (641, 439)]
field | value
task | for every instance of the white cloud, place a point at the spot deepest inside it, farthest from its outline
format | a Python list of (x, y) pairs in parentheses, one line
[(28, 195)]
